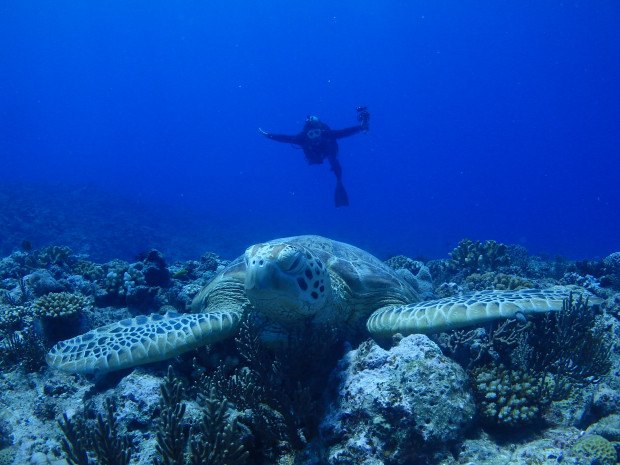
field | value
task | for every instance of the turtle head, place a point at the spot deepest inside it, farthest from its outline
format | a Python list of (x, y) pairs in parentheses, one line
[(286, 282)]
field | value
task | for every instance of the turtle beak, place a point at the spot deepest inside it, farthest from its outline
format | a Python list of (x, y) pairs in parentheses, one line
[(261, 275)]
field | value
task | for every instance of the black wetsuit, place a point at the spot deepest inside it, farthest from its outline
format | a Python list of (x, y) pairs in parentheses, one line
[(322, 145)]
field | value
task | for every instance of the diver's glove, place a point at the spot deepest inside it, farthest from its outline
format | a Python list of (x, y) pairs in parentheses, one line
[(363, 116)]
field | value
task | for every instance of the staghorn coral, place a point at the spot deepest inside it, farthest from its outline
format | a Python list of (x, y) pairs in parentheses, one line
[(218, 439), (102, 441), (595, 449), (74, 444), (507, 397), (476, 256), (171, 436), (59, 304), (278, 393)]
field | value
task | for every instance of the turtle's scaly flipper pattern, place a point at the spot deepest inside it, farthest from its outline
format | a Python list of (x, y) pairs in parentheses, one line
[(141, 340), (435, 316)]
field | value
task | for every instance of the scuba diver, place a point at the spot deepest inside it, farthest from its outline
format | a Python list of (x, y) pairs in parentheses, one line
[(318, 142)]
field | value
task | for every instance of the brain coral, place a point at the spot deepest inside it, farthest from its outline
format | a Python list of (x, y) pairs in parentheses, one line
[(596, 449)]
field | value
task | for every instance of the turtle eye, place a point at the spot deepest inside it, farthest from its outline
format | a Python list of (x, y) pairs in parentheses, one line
[(295, 262)]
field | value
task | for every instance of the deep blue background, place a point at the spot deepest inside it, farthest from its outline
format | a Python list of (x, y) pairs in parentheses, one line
[(490, 119)]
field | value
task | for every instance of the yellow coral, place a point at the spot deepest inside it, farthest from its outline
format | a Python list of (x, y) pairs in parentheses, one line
[(59, 304), (13, 315), (506, 397), (596, 449)]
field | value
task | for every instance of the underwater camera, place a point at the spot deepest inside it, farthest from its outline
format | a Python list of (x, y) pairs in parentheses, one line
[(363, 117)]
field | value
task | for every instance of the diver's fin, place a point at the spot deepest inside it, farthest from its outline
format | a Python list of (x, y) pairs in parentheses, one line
[(341, 197)]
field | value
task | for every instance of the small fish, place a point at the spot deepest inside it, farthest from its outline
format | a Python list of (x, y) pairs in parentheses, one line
[(179, 274)]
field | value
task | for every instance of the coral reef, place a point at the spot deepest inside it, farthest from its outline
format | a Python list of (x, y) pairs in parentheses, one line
[(519, 369), (25, 349), (408, 404), (606, 271), (480, 346), (507, 398), (476, 256), (59, 304), (400, 262), (595, 449), (171, 436), (103, 440), (278, 394), (608, 427), (218, 439), (122, 284), (52, 255), (500, 281), (6, 456), (570, 345), (394, 406)]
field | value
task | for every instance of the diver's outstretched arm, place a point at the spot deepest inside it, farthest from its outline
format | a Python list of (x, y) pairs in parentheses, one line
[(281, 137), (346, 132)]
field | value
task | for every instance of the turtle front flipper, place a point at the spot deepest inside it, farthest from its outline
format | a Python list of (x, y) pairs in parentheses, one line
[(140, 340), (435, 316)]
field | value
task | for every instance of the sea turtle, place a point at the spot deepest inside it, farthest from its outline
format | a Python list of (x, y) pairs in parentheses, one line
[(291, 282)]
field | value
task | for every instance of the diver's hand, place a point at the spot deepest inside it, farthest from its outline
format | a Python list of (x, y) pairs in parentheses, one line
[(266, 134)]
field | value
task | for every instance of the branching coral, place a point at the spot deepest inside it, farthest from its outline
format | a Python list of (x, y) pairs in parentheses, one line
[(51, 255), (171, 436), (506, 397), (75, 442), (217, 440), (571, 347), (275, 392), (13, 318), (25, 349), (500, 281), (476, 256), (478, 346), (59, 304), (21, 298), (103, 441), (109, 446), (557, 353)]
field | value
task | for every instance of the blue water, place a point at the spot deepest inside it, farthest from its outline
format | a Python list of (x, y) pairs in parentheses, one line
[(489, 119)]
